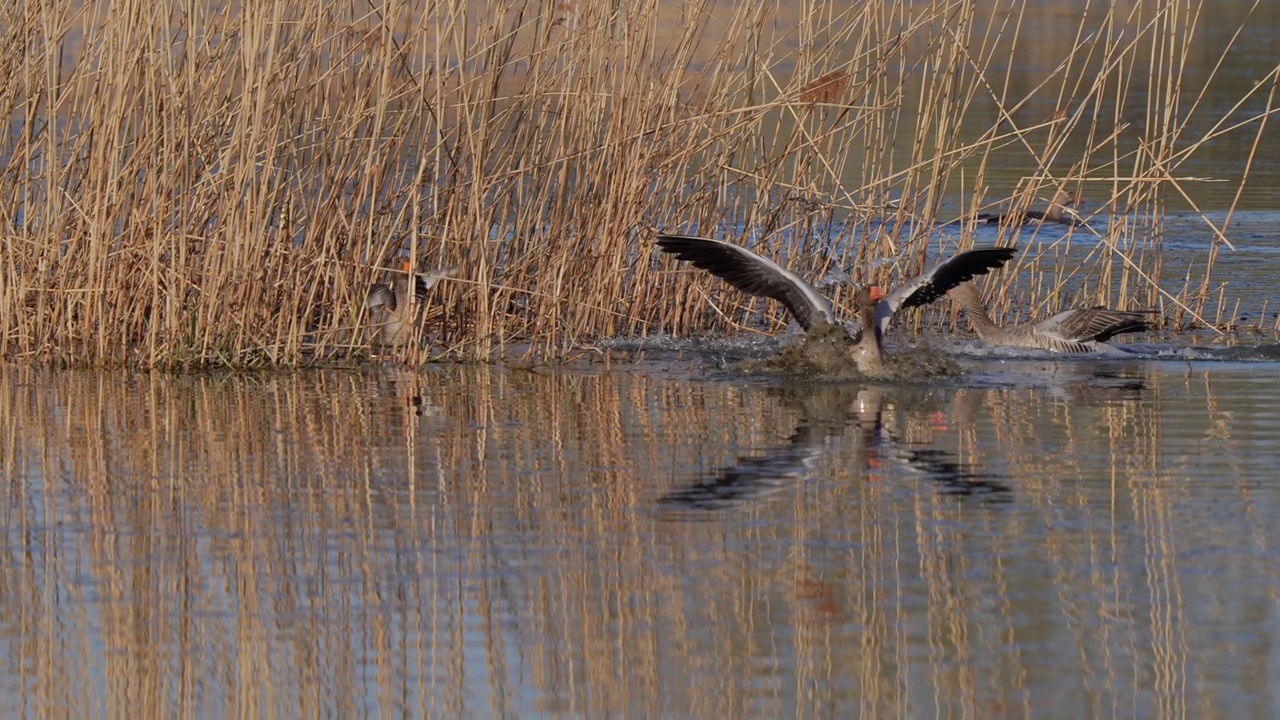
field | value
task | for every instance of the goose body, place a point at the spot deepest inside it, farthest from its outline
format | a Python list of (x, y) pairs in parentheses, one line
[(1079, 330), (390, 308), (761, 277)]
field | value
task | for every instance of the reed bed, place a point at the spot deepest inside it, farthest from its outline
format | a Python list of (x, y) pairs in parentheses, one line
[(221, 182)]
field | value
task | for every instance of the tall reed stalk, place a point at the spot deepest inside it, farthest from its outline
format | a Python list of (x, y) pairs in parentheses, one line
[(221, 182)]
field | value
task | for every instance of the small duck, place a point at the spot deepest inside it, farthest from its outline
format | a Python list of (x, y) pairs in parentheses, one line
[(1057, 212), (389, 305)]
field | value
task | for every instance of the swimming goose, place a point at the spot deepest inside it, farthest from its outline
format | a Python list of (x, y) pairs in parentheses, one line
[(761, 277), (1079, 330), (389, 306), (1057, 212)]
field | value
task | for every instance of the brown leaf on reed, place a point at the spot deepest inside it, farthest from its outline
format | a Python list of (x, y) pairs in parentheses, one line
[(825, 89), (565, 15)]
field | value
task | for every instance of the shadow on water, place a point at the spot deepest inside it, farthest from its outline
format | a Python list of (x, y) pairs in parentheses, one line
[(486, 541)]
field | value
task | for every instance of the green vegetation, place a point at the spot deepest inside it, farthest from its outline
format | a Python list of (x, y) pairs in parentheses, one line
[(221, 183)]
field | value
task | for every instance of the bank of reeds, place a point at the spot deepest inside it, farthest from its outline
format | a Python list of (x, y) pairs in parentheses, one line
[(221, 182)]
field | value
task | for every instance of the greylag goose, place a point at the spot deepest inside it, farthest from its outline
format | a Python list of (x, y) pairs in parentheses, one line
[(761, 277), (1079, 330), (1057, 212), (389, 306)]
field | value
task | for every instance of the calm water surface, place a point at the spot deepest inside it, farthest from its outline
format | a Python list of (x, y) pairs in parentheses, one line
[(1072, 538)]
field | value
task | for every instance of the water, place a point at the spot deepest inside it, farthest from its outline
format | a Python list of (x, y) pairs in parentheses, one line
[(656, 537), (1039, 537)]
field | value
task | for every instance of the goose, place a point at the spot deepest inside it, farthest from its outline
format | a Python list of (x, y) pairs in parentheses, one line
[(1057, 212), (761, 277), (1079, 330), (389, 306)]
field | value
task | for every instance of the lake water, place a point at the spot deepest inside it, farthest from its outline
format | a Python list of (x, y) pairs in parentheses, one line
[(655, 536), (652, 537)]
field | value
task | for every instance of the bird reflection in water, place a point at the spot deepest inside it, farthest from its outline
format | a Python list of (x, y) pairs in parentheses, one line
[(826, 413)]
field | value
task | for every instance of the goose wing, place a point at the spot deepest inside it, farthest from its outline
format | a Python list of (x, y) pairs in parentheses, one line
[(752, 274), (381, 297), (1093, 324), (935, 283), (424, 281)]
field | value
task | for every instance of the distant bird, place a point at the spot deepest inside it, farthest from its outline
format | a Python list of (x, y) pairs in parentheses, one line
[(1057, 212), (1079, 330), (761, 277), (390, 321)]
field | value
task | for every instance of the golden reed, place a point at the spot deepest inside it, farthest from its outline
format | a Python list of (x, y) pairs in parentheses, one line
[(221, 183)]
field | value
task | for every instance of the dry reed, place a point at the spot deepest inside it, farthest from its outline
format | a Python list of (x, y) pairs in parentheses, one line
[(221, 182)]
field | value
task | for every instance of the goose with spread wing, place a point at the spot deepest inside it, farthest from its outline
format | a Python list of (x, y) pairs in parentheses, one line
[(761, 277), (1078, 330)]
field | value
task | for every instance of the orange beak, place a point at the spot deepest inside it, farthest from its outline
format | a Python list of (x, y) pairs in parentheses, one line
[(876, 293)]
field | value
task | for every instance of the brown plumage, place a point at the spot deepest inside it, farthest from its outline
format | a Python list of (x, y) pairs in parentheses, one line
[(1079, 330), (761, 277), (389, 306)]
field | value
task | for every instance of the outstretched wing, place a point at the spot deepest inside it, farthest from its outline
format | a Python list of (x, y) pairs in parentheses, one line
[(752, 274), (935, 283), (1097, 324)]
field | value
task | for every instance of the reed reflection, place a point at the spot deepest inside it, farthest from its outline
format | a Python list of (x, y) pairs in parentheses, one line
[(312, 543)]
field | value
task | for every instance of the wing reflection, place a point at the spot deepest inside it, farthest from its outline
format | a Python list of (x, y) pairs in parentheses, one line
[(826, 414), (752, 477), (1077, 383), (1104, 385), (883, 423)]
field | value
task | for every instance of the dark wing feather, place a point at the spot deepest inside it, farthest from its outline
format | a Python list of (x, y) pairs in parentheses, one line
[(935, 282), (423, 282), (752, 274), (1095, 324), (381, 296)]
